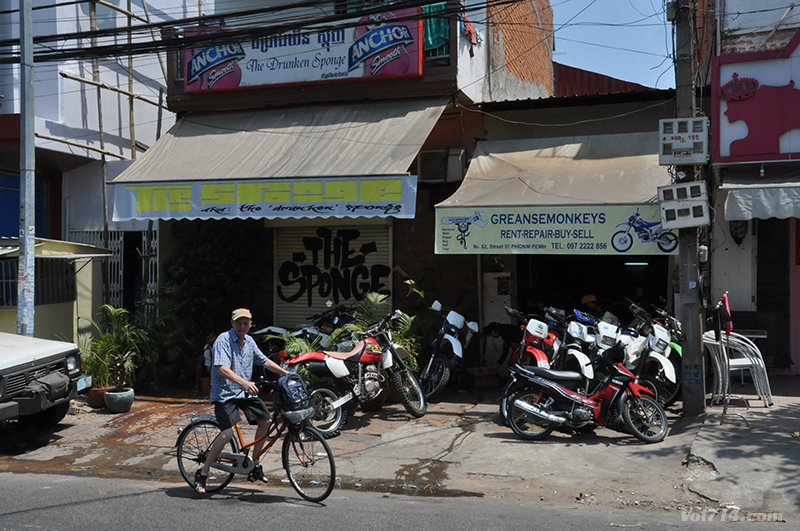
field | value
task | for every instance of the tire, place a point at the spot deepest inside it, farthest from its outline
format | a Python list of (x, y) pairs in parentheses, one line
[(667, 242), (409, 390), (649, 424), (504, 402), (668, 392), (437, 377), (44, 420), (327, 420), (193, 444), (526, 425), (309, 465), (621, 241)]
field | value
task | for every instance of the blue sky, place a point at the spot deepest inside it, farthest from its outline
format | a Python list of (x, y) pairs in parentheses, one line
[(626, 39)]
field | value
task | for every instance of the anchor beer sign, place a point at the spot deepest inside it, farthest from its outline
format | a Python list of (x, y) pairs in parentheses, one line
[(383, 45)]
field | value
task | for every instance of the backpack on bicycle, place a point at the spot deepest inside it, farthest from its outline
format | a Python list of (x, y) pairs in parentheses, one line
[(294, 401)]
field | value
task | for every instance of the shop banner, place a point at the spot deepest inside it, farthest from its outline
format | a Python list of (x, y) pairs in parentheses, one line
[(386, 45), (633, 229), (382, 197)]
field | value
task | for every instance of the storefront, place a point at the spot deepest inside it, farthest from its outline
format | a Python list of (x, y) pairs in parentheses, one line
[(328, 201), (756, 159), (576, 216)]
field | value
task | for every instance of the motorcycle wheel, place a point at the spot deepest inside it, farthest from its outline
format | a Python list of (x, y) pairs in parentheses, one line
[(667, 242), (621, 241), (328, 420), (409, 390), (437, 377), (527, 425), (645, 419), (668, 392), (504, 402)]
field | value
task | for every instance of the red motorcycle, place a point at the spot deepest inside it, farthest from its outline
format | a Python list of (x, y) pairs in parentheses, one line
[(357, 375), (540, 399)]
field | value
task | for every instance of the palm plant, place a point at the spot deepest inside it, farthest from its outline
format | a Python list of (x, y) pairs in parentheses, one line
[(114, 351)]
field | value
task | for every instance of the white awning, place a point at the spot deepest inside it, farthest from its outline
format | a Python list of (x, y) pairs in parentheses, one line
[(751, 196), (56, 249), (619, 169), (230, 164), (558, 196)]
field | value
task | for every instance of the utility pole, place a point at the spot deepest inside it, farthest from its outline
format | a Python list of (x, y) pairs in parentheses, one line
[(26, 287), (688, 298)]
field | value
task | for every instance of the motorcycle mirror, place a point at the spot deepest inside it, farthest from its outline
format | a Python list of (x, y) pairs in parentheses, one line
[(436, 306), (329, 303)]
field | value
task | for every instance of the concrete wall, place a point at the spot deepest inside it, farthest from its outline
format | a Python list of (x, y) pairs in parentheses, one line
[(53, 321)]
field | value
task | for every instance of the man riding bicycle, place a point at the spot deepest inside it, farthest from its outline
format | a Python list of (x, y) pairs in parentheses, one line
[(235, 354)]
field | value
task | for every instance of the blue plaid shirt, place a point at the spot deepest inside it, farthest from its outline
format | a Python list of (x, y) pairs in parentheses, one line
[(228, 352)]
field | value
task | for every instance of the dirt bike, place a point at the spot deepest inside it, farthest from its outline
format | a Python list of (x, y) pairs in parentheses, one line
[(648, 232), (542, 399), (448, 349), (357, 375)]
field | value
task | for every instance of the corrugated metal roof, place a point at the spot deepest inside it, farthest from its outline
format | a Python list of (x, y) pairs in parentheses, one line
[(570, 81)]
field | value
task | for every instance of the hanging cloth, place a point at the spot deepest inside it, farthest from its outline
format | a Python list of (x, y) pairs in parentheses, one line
[(468, 30), (436, 29)]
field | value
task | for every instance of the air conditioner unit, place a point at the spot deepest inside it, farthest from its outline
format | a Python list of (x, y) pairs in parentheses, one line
[(683, 141), (441, 166)]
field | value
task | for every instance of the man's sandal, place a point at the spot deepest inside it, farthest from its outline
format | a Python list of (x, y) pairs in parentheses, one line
[(200, 482), (257, 474)]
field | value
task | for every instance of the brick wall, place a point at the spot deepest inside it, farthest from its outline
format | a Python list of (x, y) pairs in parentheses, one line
[(523, 41)]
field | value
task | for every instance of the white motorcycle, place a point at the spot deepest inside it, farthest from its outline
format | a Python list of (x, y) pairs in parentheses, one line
[(454, 337)]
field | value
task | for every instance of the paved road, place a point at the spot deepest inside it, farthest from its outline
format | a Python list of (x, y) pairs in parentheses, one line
[(459, 449)]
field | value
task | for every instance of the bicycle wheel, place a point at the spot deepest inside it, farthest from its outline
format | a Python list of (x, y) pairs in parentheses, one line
[(308, 462), (193, 444)]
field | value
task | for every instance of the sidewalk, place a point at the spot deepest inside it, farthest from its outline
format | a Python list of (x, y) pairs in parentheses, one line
[(461, 448), (752, 463)]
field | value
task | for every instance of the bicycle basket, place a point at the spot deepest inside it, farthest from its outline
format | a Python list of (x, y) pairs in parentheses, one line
[(293, 400)]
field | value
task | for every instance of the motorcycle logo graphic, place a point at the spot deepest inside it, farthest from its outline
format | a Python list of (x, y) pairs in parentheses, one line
[(463, 225), (647, 231)]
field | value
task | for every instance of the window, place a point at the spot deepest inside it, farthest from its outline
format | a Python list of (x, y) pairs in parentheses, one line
[(55, 282)]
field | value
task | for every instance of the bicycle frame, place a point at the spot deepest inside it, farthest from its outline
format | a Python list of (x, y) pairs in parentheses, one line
[(240, 462)]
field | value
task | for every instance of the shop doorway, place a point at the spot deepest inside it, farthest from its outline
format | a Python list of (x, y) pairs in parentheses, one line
[(563, 281)]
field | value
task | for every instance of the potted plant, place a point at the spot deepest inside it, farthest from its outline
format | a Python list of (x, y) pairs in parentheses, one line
[(113, 354)]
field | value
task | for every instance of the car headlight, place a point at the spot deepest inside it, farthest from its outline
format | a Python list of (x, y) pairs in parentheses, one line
[(73, 364)]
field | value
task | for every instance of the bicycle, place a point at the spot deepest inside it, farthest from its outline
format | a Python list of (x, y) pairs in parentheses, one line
[(306, 455)]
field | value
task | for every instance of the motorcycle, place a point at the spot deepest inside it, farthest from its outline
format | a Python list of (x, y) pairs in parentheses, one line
[(356, 375), (647, 231), (320, 329), (454, 337), (543, 399)]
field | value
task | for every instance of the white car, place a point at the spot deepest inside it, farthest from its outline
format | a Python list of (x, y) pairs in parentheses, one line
[(38, 378)]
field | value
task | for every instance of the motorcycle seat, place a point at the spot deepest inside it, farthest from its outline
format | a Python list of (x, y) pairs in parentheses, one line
[(553, 375), (357, 351)]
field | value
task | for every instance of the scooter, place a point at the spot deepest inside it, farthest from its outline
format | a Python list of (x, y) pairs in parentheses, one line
[(543, 399), (356, 375), (454, 337), (648, 232)]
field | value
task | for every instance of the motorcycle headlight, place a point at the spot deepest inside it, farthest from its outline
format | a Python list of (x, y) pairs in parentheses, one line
[(661, 345)]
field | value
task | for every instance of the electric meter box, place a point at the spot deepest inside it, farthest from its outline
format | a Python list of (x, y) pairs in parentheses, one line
[(684, 205), (683, 141)]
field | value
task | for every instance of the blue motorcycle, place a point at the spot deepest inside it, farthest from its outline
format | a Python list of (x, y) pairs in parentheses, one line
[(647, 231)]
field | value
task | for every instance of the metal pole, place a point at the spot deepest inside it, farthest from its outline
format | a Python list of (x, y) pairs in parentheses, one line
[(26, 287), (688, 297)]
